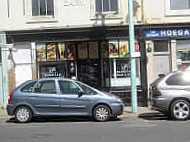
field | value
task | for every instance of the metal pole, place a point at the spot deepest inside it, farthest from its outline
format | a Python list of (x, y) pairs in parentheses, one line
[(133, 60)]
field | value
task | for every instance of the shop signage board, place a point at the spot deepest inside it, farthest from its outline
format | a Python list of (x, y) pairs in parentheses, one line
[(168, 33)]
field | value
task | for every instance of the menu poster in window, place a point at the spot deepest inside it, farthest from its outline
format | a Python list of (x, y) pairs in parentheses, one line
[(123, 49), (82, 51), (93, 50), (123, 69), (51, 52), (41, 52), (104, 49), (61, 50), (70, 51), (113, 48)]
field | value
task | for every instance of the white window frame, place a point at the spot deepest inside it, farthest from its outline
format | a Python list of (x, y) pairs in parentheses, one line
[(169, 12), (108, 14), (29, 18)]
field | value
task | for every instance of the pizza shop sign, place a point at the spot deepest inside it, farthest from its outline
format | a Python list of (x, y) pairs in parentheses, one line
[(168, 33)]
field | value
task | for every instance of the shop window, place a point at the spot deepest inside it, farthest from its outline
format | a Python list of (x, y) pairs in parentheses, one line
[(183, 54), (42, 7), (93, 50), (118, 48), (45, 87), (121, 72), (161, 46), (55, 52), (82, 51), (106, 5), (70, 53), (104, 49)]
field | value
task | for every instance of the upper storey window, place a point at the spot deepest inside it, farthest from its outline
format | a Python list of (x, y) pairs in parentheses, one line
[(42, 7), (106, 6), (179, 4), (177, 7)]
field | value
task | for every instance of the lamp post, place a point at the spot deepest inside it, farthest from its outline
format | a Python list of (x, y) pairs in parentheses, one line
[(133, 60)]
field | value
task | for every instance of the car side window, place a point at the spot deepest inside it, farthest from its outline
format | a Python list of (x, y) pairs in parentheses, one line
[(46, 87), (28, 87), (68, 87), (179, 79), (87, 90)]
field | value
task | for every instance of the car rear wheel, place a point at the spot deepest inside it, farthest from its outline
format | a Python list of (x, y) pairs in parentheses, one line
[(180, 110), (101, 113), (23, 114)]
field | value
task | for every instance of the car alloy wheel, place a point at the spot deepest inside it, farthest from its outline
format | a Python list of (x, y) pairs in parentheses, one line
[(23, 114), (101, 113), (180, 110)]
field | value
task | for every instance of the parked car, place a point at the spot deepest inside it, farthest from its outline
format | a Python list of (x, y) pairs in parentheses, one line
[(170, 94), (61, 97)]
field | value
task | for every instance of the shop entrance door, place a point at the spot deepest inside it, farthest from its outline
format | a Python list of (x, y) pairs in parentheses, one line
[(89, 72)]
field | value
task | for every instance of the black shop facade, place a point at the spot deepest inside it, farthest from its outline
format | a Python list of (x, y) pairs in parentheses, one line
[(97, 56)]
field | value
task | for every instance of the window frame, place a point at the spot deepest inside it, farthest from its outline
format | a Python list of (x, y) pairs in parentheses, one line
[(170, 12), (46, 8), (108, 14), (109, 7)]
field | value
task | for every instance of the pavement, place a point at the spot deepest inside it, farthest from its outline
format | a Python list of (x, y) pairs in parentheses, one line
[(127, 112)]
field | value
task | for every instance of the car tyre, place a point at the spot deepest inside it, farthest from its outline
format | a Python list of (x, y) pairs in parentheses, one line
[(180, 110), (101, 113), (23, 114)]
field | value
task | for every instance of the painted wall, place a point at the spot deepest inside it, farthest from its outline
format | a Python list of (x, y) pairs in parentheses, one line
[(158, 11), (16, 15)]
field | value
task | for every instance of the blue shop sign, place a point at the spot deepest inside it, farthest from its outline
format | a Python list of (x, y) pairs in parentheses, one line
[(168, 33)]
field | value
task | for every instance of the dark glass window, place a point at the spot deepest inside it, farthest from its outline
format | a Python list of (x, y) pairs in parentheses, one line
[(179, 4), (161, 46), (106, 5), (179, 79), (87, 90), (28, 87), (42, 7), (46, 87), (68, 87)]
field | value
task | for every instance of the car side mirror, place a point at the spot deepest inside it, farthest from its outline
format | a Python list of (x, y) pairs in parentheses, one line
[(80, 92)]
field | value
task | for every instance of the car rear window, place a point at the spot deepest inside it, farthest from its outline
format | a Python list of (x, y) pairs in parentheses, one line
[(28, 87), (181, 78)]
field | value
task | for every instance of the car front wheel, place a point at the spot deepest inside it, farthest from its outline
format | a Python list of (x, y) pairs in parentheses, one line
[(180, 110), (23, 114), (101, 113)]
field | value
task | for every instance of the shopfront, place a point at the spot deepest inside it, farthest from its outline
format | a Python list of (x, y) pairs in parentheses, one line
[(99, 58), (171, 47)]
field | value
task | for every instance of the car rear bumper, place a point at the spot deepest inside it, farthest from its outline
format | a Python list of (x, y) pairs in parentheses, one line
[(160, 104), (10, 109)]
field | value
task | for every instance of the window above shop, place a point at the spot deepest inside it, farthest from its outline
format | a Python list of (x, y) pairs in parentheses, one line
[(177, 7), (106, 6), (106, 9), (42, 7)]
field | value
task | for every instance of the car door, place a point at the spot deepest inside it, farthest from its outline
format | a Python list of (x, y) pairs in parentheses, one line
[(44, 98), (71, 102)]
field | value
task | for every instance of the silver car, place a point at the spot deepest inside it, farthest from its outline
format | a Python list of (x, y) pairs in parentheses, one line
[(170, 94), (61, 97)]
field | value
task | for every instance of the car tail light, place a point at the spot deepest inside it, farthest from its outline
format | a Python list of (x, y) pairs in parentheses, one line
[(10, 98), (157, 93)]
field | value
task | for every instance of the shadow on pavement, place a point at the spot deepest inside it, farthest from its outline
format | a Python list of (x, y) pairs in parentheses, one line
[(154, 116), (62, 119)]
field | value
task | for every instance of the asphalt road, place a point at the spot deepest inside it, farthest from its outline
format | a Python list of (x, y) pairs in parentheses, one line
[(148, 128)]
